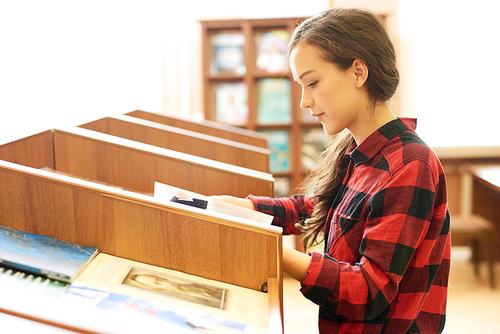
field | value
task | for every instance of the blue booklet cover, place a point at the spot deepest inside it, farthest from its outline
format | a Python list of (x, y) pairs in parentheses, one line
[(42, 255), (176, 318)]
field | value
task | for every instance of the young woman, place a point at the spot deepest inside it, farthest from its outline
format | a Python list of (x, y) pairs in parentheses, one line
[(379, 200)]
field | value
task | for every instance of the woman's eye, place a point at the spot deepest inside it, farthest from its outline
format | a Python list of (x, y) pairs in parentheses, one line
[(312, 84)]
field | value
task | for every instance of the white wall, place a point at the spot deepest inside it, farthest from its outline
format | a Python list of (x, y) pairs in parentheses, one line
[(69, 62), (66, 62), (456, 70)]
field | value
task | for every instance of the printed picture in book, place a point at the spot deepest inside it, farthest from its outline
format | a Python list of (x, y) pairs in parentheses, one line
[(176, 287), (185, 198)]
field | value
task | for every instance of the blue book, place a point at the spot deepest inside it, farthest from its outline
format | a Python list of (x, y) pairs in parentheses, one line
[(42, 255)]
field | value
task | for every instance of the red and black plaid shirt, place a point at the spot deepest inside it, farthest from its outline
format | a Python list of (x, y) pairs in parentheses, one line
[(387, 239)]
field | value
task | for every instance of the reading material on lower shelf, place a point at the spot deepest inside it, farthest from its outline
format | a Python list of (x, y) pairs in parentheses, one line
[(119, 296), (19, 280), (42, 255), (175, 318), (111, 282), (173, 194)]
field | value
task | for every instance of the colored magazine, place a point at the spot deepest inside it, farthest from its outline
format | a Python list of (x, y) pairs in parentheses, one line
[(42, 255)]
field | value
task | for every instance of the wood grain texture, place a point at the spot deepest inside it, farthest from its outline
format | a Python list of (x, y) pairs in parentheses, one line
[(130, 224), (185, 141), (36, 151), (137, 170), (135, 227), (132, 165), (205, 127)]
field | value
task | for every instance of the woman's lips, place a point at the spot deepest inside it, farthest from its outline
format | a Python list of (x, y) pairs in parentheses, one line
[(318, 116)]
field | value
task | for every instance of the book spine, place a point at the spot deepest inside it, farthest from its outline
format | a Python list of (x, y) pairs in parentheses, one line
[(41, 272)]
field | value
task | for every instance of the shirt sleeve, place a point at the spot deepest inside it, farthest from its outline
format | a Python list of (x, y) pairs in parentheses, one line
[(403, 228), (287, 211)]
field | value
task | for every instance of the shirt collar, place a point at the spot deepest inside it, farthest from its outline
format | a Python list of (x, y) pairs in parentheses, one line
[(377, 140)]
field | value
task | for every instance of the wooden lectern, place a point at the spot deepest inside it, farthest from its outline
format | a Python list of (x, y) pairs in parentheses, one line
[(186, 141), (206, 127), (132, 165), (138, 227), (98, 193)]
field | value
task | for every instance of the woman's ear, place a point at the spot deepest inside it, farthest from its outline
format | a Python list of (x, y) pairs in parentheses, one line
[(360, 71)]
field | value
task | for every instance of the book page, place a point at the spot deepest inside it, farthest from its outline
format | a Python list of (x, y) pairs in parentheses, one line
[(169, 193), (112, 274)]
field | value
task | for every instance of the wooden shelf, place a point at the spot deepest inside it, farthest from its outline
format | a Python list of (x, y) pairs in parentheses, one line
[(249, 72)]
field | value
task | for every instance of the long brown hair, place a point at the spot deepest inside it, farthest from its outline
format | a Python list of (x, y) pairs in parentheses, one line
[(343, 35)]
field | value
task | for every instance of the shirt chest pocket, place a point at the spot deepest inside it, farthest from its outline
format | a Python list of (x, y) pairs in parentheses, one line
[(341, 227)]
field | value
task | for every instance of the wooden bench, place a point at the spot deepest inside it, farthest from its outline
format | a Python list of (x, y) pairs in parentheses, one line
[(478, 233)]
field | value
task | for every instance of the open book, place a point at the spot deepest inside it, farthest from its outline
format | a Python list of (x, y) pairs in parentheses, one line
[(41, 255), (173, 194)]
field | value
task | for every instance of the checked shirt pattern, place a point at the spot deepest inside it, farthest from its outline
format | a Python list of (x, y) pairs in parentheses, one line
[(387, 238)]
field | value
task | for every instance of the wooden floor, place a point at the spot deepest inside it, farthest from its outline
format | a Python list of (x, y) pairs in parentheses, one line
[(473, 307)]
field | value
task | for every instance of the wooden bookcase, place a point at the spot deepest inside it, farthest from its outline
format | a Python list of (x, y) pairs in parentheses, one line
[(238, 82)]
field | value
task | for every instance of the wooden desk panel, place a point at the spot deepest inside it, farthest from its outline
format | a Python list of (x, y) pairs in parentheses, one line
[(137, 227), (134, 166), (185, 141), (35, 151), (206, 127)]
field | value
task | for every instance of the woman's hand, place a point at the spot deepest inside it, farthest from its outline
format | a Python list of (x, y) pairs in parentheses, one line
[(244, 202), (295, 263)]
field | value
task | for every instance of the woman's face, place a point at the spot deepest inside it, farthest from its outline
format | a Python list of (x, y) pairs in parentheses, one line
[(155, 282), (332, 95)]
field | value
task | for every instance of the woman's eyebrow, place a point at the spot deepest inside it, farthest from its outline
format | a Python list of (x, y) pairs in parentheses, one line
[(305, 73)]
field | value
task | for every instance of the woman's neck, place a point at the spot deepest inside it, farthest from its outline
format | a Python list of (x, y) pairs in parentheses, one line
[(375, 117)]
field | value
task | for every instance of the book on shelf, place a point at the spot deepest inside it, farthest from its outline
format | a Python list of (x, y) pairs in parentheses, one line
[(42, 255), (271, 50), (169, 193), (279, 144), (169, 295), (227, 53), (274, 105), (282, 187), (231, 103), (314, 142)]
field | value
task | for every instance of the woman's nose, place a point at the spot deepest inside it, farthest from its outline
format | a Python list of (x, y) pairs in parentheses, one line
[(306, 102)]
